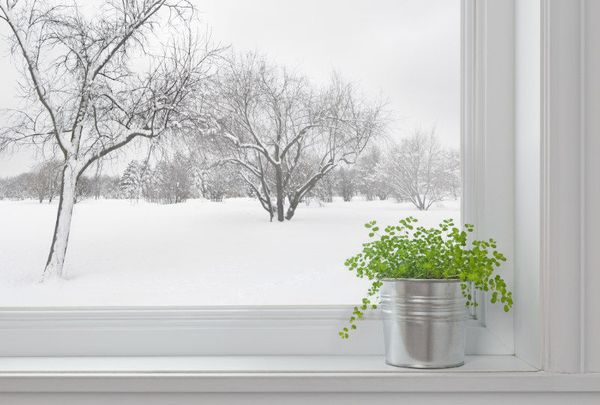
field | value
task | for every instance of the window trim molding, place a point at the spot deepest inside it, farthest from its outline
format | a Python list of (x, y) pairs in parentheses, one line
[(566, 331), (488, 125), (487, 119), (199, 331)]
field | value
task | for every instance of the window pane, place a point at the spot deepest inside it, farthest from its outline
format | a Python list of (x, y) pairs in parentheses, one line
[(290, 126)]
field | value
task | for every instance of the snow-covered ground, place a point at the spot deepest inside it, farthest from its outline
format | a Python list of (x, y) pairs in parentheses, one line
[(196, 253)]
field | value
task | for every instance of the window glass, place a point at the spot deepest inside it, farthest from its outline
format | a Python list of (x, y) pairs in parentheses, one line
[(264, 134)]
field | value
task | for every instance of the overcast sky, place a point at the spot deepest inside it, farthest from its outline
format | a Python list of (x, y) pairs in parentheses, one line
[(406, 52)]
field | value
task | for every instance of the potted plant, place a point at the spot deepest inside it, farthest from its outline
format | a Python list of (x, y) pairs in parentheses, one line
[(424, 277)]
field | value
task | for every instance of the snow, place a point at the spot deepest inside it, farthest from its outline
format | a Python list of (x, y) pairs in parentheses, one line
[(197, 253)]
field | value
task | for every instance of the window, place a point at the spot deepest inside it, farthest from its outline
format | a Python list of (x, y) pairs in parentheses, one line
[(515, 176), (105, 326), (322, 121)]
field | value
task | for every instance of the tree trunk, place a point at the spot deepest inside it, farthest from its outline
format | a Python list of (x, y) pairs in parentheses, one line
[(290, 212), (280, 195), (420, 203), (62, 228), (294, 201)]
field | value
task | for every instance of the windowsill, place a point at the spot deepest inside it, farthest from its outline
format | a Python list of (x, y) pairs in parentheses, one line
[(276, 374), (242, 364)]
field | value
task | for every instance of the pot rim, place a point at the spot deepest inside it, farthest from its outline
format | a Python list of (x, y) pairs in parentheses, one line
[(424, 280)]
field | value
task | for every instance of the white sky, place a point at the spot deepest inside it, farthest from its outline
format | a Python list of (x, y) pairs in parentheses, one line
[(406, 52)]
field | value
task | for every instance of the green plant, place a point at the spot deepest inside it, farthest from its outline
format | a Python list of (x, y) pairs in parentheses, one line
[(444, 252)]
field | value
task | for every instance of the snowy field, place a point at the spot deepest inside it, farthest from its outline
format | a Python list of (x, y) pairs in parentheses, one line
[(196, 253)]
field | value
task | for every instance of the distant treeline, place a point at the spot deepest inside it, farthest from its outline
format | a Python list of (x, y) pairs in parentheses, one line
[(418, 170)]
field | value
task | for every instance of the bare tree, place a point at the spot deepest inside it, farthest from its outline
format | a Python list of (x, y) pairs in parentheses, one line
[(369, 182), (94, 84), (97, 180), (46, 180), (84, 188), (172, 180), (325, 188), (39, 185), (3, 188), (18, 187), (105, 186), (346, 182), (453, 173), (219, 181), (421, 171), (284, 134)]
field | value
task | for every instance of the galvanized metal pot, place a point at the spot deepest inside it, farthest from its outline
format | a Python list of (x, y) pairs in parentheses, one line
[(423, 322)]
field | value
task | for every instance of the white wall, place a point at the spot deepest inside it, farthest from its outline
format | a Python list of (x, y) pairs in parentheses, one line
[(570, 185), (592, 186)]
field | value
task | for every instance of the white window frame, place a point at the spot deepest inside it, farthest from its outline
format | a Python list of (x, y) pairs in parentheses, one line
[(488, 158), (556, 238)]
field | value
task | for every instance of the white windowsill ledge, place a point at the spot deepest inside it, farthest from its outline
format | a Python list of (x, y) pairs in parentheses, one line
[(242, 364), (276, 374)]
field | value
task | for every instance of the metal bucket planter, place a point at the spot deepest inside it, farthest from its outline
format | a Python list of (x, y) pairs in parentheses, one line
[(424, 323)]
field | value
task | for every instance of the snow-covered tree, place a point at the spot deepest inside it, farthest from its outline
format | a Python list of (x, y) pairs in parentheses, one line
[(220, 181), (131, 182), (421, 171), (106, 186), (285, 134), (370, 183), (3, 188), (88, 94), (324, 190), (453, 173), (379, 182), (45, 180), (172, 180), (18, 187), (84, 189), (346, 182)]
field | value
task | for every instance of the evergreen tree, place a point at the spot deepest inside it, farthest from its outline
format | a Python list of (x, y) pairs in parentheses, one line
[(131, 181)]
